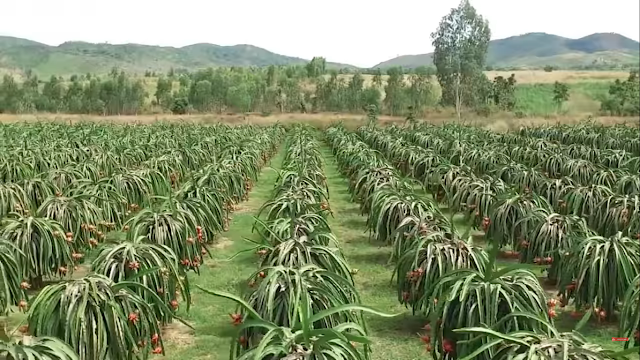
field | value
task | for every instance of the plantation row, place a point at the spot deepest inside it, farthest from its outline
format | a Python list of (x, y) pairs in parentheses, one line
[(505, 151), (141, 202), (526, 223), (536, 150), (301, 303), (467, 170), (596, 273), (601, 137), (397, 215)]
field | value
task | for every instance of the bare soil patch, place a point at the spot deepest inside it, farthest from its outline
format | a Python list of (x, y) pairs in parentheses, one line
[(81, 271), (179, 334), (222, 243)]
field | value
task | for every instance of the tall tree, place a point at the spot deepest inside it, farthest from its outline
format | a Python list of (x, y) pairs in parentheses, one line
[(316, 67), (355, 92), (371, 96), (163, 91), (395, 95), (560, 93), (30, 93), (200, 96), (420, 89), (624, 97), (75, 96), (10, 95), (461, 42), (377, 78), (504, 92), (53, 92), (272, 75)]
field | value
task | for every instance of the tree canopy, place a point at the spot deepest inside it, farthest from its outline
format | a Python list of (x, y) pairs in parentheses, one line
[(461, 42)]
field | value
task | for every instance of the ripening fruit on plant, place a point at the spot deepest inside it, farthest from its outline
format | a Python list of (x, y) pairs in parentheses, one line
[(22, 305), (448, 346), (236, 319), (133, 318), (243, 340)]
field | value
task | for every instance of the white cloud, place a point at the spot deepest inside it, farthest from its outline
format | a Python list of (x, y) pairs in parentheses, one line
[(356, 32)]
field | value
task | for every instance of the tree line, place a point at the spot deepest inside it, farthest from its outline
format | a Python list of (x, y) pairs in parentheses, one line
[(116, 93), (306, 89)]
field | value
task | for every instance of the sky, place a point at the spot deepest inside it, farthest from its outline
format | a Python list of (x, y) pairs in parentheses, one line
[(356, 32)]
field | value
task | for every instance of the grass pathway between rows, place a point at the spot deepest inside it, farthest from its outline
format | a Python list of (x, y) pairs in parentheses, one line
[(209, 315), (394, 338)]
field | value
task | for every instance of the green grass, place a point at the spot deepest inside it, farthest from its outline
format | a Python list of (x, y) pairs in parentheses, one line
[(209, 316), (537, 99), (394, 338)]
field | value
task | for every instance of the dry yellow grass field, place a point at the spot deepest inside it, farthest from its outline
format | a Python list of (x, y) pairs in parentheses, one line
[(568, 76), (501, 122), (541, 76), (522, 76)]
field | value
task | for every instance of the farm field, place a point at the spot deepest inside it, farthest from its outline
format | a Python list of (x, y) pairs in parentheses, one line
[(272, 241)]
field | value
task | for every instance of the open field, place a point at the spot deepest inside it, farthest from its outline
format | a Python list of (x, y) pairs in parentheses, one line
[(568, 76), (499, 122), (523, 76), (584, 98), (543, 77), (166, 228)]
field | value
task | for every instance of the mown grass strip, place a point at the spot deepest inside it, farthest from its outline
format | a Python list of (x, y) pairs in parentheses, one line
[(394, 338), (209, 315)]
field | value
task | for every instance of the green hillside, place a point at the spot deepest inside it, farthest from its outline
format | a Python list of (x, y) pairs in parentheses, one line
[(81, 57), (536, 50), (533, 50)]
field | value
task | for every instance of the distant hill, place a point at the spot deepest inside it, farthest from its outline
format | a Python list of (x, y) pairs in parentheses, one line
[(81, 57), (535, 50)]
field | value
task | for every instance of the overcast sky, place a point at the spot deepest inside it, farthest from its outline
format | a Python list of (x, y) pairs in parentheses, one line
[(356, 32)]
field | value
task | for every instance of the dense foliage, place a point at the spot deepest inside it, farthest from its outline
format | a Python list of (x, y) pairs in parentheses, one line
[(460, 46), (624, 97), (143, 201), (220, 90), (539, 197)]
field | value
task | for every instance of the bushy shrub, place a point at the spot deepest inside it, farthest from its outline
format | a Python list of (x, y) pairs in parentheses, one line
[(623, 98), (180, 106)]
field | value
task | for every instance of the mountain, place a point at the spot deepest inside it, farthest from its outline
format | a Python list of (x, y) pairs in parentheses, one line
[(540, 49), (81, 57)]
